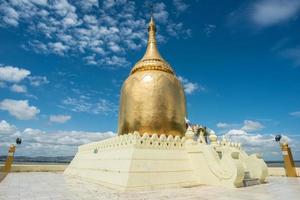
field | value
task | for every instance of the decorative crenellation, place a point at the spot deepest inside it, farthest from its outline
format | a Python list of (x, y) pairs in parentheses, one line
[(228, 143), (152, 64), (129, 140)]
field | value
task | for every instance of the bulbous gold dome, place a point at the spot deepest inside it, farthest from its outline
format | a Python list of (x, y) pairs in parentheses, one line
[(152, 98)]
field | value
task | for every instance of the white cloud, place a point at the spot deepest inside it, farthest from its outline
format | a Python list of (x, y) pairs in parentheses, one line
[(2, 85), (262, 143), (13, 74), (292, 54), (18, 88), (10, 16), (177, 30), (90, 19), (87, 4), (115, 61), (58, 47), (209, 29), (83, 104), (190, 87), (251, 126), (6, 128), (40, 2), (40, 143), (247, 126), (59, 118), (295, 114), (223, 125), (250, 140), (100, 33), (160, 12), (11, 77), (271, 12), (38, 80), (180, 5), (19, 109)]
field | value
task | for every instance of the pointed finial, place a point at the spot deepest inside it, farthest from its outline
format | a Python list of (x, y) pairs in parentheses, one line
[(152, 31), (151, 26), (152, 60), (151, 20)]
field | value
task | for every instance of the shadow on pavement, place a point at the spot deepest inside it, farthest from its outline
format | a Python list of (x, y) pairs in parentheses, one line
[(2, 176)]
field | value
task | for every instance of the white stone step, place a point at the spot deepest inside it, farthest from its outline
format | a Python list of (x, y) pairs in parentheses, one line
[(250, 182)]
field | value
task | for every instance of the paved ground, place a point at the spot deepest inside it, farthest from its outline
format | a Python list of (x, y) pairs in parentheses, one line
[(54, 186)]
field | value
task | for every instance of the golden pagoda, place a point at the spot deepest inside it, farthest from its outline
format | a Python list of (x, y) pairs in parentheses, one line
[(152, 98), (153, 148)]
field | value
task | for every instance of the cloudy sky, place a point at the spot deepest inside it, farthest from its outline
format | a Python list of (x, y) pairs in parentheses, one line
[(62, 64)]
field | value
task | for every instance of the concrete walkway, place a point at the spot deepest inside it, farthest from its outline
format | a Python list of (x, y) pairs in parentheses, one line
[(55, 186)]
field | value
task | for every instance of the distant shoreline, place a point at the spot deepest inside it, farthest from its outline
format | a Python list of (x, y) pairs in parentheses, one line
[(20, 160), (280, 163), (38, 163), (39, 160)]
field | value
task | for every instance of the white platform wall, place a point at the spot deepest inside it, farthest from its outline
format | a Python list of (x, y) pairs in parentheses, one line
[(131, 162)]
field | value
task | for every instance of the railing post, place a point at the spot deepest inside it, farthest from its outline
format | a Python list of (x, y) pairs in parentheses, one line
[(289, 164)]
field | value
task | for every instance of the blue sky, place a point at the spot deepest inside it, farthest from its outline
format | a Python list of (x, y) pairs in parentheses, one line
[(62, 64)]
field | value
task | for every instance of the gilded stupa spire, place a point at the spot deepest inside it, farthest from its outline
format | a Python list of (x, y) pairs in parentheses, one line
[(152, 60)]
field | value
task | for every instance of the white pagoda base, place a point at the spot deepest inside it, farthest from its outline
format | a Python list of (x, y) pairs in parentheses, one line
[(131, 162)]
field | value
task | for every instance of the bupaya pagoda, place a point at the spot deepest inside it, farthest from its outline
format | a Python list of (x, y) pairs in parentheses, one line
[(154, 148)]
